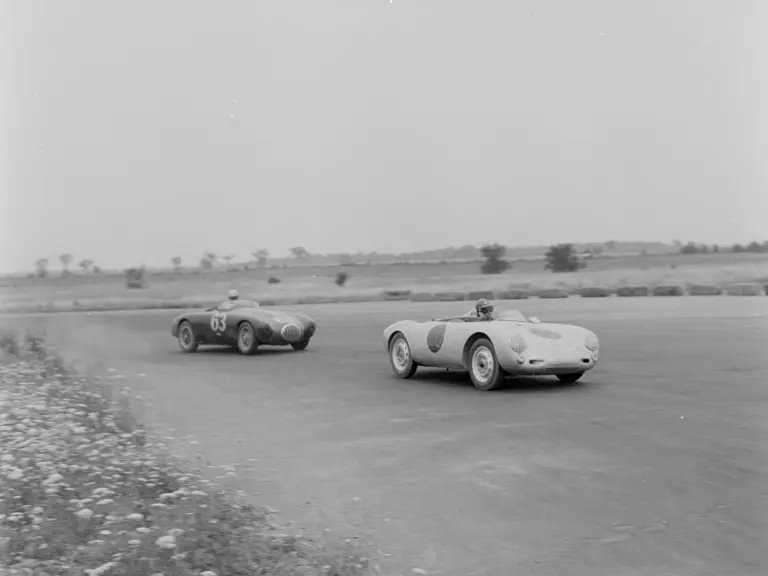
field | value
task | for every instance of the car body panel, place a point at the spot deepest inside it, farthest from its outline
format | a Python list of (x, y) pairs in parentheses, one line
[(549, 349), (219, 325)]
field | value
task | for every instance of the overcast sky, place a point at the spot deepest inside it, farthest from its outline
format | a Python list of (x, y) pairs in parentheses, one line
[(133, 131)]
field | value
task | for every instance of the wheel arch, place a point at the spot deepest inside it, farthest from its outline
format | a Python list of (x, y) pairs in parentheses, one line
[(468, 345), (176, 326), (392, 337)]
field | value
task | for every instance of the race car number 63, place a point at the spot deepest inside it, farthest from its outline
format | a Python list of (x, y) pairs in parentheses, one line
[(219, 321)]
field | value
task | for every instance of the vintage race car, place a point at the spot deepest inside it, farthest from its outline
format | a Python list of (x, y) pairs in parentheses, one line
[(490, 350), (242, 323)]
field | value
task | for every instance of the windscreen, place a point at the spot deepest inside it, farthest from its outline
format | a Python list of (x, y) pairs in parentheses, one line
[(514, 315)]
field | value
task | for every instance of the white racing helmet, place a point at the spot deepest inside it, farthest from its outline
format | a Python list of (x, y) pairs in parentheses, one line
[(233, 294)]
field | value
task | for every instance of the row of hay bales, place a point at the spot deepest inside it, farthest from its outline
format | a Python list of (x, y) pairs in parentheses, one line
[(736, 289)]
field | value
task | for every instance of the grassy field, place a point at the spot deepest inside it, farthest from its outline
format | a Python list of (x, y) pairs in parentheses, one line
[(366, 280)]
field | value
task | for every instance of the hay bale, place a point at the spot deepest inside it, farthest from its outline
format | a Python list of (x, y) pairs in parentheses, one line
[(423, 297), (512, 295), (396, 294), (594, 292), (318, 300), (632, 291), (704, 290), (480, 294), (669, 290), (744, 289), (552, 293), (450, 296)]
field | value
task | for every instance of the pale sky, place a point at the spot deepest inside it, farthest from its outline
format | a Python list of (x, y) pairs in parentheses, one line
[(137, 130)]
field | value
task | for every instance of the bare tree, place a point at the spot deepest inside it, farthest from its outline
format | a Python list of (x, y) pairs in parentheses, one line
[(66, 260), (41, 267), (85, 265), (299, 253), (209, 261), (262, 257), (228, 259)]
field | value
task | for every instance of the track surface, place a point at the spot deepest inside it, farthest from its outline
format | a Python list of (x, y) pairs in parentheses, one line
[(655, 463)]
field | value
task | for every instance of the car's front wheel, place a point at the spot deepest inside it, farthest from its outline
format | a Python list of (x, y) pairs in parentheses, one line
[(301, 345), (187, 340), (484, 369), (570, 378), (246, 339), (400, 357)]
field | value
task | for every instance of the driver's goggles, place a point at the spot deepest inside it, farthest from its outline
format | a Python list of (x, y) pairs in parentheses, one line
[(487, 310)]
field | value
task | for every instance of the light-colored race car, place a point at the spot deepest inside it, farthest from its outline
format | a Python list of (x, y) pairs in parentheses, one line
[(244, 324), (511, 344)]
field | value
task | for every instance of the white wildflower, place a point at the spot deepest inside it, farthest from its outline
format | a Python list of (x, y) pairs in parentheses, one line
[(85, 513), (15, 474), (167, 541)]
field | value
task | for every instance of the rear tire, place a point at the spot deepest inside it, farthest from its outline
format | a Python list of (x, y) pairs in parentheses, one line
[(484, 368), (187, 340), (400, 357), (569, 378), (247, 343)]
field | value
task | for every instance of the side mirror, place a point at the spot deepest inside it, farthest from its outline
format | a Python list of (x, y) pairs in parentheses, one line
[(535, 320)]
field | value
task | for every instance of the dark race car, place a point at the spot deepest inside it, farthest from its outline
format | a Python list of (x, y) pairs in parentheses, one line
[(242, 323)]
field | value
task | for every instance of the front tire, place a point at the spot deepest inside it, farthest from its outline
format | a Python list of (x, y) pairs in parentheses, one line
[(569, 378), (187, 340), (484, 369), (400, 357), (302, 345), (247, 343)]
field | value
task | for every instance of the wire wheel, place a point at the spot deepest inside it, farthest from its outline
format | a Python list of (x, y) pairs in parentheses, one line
[(400, 357), (246, 339)]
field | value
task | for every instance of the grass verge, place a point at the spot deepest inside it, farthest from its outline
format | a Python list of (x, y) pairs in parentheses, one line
[(85, 488)]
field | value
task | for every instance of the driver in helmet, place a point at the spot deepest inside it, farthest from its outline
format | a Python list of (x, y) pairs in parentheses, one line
[(483, 309), (233, 294)]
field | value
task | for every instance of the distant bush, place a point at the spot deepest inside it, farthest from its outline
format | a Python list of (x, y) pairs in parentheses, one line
[(494, 262), (563, 258), (690, 248), (41, 267), (341, 278), (273, 280), (136, 277)]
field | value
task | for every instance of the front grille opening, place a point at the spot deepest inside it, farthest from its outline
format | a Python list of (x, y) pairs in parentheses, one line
[(585, 360), (534, 362)]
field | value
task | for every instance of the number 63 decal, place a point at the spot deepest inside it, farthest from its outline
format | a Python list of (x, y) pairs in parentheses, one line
[(219, 321)]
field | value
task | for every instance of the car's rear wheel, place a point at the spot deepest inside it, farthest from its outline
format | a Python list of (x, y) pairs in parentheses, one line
[(484, 369), (246, 339), (400, 357), (570, 378), (301, 345), (187, 340)]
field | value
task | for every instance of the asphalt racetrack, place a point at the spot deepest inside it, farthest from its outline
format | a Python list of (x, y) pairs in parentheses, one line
[(654, 463)]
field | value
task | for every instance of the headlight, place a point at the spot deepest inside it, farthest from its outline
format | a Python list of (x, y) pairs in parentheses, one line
[(591, 342), (518, 344)]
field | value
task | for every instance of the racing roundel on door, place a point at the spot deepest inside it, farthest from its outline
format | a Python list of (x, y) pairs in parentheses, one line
[(435, 338)]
